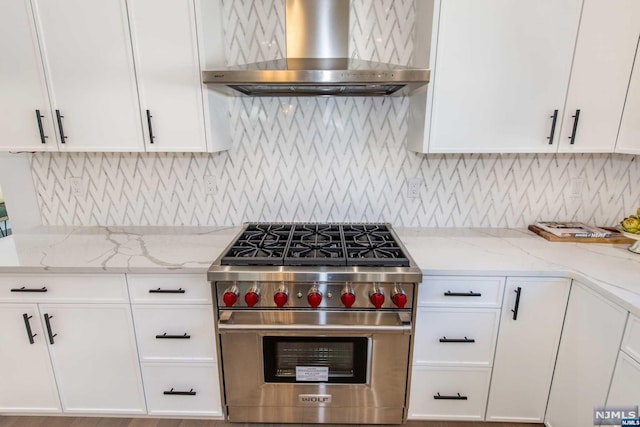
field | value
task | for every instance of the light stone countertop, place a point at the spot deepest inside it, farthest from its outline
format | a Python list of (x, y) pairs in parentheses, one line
[(608, 269)]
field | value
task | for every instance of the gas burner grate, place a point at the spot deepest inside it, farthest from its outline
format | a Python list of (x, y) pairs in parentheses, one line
[(316, 244)]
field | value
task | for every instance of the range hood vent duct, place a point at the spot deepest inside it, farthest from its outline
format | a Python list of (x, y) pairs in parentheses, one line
[(317, 63)]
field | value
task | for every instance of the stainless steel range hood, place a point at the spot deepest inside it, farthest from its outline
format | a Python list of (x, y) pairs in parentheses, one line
[(317, 63)]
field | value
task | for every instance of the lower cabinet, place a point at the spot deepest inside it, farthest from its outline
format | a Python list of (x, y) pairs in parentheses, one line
[(63, 349), (176, 342), (449, 393), (530, 328), (625, 385), (587, 355)]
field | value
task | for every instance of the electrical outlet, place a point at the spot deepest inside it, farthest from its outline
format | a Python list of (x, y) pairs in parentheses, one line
[(413, 188), (210, 185), (575, 188), (76, 186)]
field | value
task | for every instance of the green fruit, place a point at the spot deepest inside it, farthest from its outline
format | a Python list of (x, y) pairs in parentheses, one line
[(631, 225)]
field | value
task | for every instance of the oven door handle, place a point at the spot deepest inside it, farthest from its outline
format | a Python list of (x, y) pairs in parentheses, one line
[(230, 327)]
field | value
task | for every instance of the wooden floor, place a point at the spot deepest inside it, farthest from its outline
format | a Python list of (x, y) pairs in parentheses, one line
[(149, 422)]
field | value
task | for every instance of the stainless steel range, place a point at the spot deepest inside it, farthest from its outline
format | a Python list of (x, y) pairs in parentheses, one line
[(315, 323)]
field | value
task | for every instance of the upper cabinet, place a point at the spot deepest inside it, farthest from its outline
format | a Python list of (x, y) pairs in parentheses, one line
[(629, 136), (168, 66), (25, 115), (92, 81), (509, 76), (103, 75)]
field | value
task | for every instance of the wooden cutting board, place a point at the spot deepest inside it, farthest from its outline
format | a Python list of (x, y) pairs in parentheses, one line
[(616, 238)]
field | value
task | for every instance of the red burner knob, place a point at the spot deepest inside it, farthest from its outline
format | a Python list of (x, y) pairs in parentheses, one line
[(377, 299), (399, 299), (348, 298), (280, 298), (251, 298), (314, 299), (229, 298)]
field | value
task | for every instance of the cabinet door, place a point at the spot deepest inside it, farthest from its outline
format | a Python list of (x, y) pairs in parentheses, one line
[(600, 75), (22, 85), (502, 68), (629, 136), (527, 348), (89, 62), (625, 386), (94, 358), (26, 377), (588, 350), (168, 69)]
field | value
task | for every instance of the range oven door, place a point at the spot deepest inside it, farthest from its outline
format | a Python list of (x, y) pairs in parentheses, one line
[(332, 367)]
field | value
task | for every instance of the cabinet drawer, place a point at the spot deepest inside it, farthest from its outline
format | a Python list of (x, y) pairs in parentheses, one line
[(460, 291), (103, 288), (439, 393), (453, 336), (631, 341), (198, 382), (169, 288), (175, 333)]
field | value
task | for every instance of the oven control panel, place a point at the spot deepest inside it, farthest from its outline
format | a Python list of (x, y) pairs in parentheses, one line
[(316, 295)]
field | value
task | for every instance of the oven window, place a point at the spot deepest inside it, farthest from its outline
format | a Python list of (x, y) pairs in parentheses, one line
[(315, 360)]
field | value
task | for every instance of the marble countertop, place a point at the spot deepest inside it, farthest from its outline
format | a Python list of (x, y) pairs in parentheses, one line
[(609, 269)]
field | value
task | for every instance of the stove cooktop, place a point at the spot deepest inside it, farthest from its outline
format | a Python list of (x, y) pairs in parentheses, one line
[(315, 244)]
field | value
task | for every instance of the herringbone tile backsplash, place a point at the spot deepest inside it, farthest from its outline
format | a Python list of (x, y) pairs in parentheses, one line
[(330, 159)]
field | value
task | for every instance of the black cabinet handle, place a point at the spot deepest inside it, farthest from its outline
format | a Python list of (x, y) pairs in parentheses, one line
[(27, 325), (517, 306), (24, 289), (174, 337), (462, 294), (167, 291), (151, 137), (553, 126), (39, 117), (465, 339), (458, 397), (180, 393), (575, 117), (47, 323), (60, 117)]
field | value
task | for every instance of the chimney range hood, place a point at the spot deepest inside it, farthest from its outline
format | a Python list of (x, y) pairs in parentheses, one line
[(317, 63)]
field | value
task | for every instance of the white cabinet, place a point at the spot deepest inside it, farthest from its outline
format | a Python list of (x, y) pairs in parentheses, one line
[(86, 343), (602, 65), (587, 355), (629, 135), (94, 357), (625, 386), (28, 384), (23, 86), (455, 337), (530, 327), (502, 68), (168, 70), (516, 76), (175, 332), (87, 54)]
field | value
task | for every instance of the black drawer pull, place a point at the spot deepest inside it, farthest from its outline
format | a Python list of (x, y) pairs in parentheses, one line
[(517, 306), (465, 339), (151, 136), (167, 291), (462, 294), (24, 289), (27, 325), (458, 397), (180, 393), (174, 337), (575, 127), (43, 137), (62, 135), (48, 325), (553, 126)]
